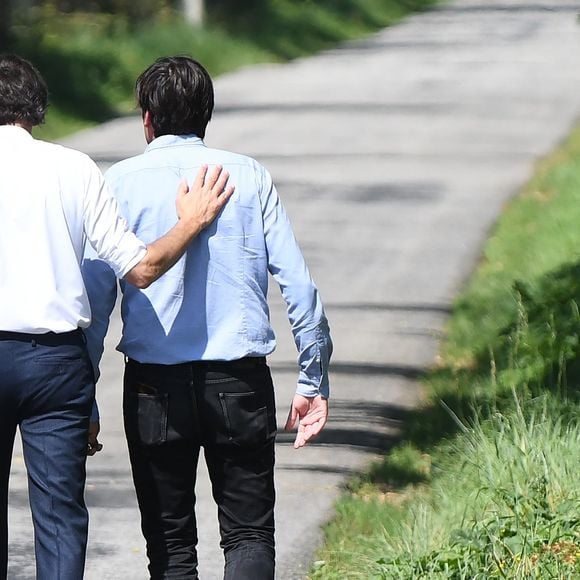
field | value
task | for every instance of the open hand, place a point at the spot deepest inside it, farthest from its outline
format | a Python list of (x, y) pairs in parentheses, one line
[(208, 194), (311, 414)]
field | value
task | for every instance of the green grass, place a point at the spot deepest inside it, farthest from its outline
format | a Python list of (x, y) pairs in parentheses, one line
[(486, 483), (503, 502), (59, 124), (293, 28), (91, 60)]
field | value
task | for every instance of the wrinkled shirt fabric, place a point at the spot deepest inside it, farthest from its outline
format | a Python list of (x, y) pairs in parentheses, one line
[(212, 304), (52, 201)]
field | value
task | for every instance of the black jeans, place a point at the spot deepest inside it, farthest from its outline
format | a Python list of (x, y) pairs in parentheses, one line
[(170, 411)]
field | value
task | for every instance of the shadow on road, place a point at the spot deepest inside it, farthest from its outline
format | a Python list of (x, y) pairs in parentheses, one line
[(361, 425)]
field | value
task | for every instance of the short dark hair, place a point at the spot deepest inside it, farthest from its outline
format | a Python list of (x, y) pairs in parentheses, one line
[(178, 93), (23, 92)]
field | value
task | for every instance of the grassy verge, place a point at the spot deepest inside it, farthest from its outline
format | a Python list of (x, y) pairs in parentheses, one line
[(90, 61), (486, 483)]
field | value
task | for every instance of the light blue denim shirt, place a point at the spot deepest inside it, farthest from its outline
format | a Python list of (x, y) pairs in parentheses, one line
[(212, 304)]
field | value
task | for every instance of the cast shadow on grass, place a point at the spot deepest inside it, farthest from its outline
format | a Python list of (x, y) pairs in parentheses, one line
[(537, 353), (538, 350)]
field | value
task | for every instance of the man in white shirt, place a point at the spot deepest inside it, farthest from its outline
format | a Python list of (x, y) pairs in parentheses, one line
[(53, 200)]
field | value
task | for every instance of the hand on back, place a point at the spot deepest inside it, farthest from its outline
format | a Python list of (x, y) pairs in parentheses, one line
[(204, 200)]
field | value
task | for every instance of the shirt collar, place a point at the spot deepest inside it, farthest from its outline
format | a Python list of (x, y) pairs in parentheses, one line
[(14, 132), (174, 140)]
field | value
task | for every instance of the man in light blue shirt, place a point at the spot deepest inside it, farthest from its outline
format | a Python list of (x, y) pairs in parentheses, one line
[(196, 340)]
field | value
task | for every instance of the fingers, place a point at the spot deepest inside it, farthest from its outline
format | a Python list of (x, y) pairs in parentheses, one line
[(228, 193), (311, 414), (182, 191), (93, 447), (218, 186), (214, 176), (299, 441), (200, 177), (312, 418), (222, 198), (182, 188), (302, 436), (213, 183), (293, 417), (307, 432), (314, 429), (291, 420)]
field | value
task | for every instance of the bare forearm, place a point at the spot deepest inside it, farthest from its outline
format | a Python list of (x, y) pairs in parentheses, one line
[(196, 210), (162, 255)]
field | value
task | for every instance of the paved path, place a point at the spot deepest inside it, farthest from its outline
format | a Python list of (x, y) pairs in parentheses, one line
[(394, 156)]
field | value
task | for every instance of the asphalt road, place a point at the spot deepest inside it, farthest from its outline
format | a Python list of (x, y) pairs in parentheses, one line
[(394, 156)]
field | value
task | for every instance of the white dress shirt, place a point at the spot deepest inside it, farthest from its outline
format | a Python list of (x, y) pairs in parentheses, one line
[(52, 200)]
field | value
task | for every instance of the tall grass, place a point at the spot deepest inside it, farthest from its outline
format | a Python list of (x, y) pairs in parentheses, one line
[(504, 503)]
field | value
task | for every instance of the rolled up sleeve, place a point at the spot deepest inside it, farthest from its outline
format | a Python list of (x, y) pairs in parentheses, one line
[(106, 231)]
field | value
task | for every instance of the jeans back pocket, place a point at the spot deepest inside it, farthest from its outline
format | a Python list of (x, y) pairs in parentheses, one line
[(146, 417), (247, 419)]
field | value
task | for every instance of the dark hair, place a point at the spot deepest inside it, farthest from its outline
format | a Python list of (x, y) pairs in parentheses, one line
[(23, 92), (178, 93)]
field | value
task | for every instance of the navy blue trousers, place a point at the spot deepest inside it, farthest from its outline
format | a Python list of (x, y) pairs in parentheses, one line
[(228, 409), (47, 390)]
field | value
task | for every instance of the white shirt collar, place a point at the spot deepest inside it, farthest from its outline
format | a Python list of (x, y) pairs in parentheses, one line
[(14, 132)]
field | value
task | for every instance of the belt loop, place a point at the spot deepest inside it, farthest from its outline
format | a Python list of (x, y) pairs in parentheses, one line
[(33, 342)]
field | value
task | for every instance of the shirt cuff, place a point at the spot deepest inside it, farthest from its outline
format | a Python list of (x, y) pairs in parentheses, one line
[(314, 362), (132, 263)]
